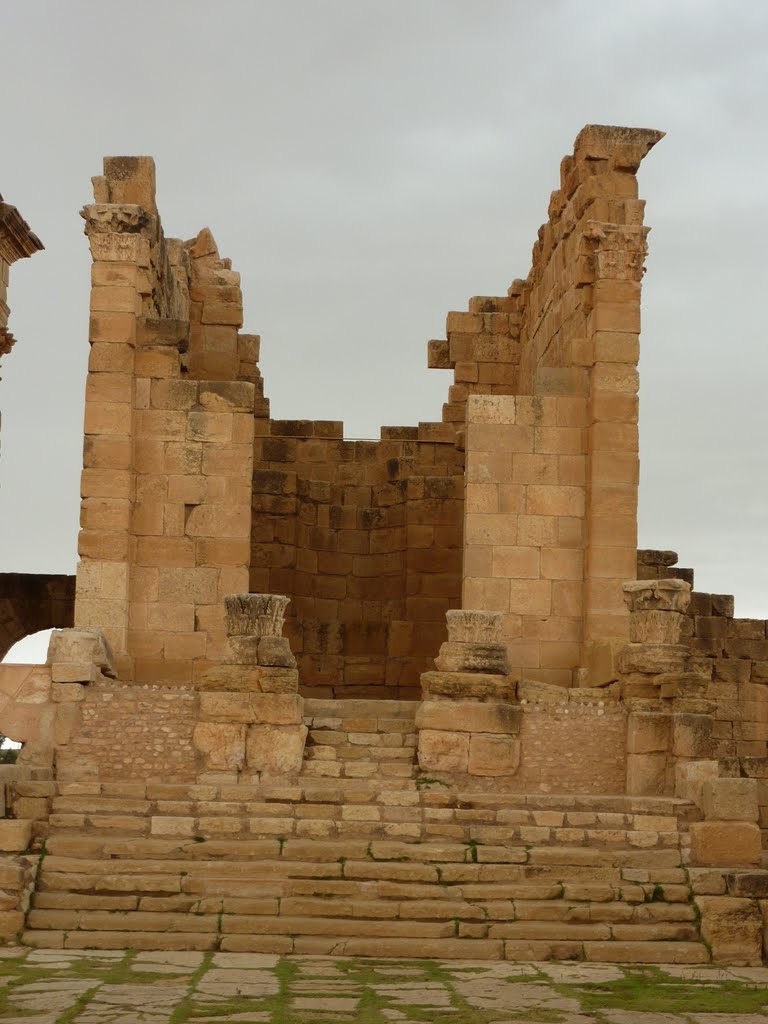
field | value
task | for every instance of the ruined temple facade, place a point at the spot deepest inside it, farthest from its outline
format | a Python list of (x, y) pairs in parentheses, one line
[(521, 500), (429, 677)]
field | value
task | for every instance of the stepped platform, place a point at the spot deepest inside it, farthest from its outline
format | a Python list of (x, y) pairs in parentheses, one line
[(361, 867)]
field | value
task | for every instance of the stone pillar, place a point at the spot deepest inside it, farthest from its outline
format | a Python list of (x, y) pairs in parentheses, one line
[(670, 747), (251, 718), (467, 723), (653, 672)]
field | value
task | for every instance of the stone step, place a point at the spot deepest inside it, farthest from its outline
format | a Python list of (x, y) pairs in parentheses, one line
[(426, 792), (462, 948)]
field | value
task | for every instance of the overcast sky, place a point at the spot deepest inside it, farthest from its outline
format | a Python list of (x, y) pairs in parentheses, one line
[(369, 166)]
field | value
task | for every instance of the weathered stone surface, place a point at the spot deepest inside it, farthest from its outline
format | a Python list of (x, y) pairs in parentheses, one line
[(493, 756), (655, 627), (692, 736), (251, 708), (653, 658), (690, 777), (652, 595), (534, 692), (469, 716), (730, 799), (472, 626), (250, 679), (255, 614), (733, 928), (222, 745), (749, 884), (725, 843), (472, 657), (648, 732), (275, 651), (276, 750), (79, 646), (15, 834), (466, 684), (646, 774), (443, 751)]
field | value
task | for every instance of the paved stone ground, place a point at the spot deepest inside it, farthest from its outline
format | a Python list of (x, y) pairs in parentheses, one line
[(126, 987)]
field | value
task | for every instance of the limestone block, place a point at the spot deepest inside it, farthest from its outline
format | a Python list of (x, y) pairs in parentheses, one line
[(467, 684), (730, 799), (648, 732), (652, 659), (276, 750), (692, 736), (646, 774), (472, 657), (15, 834), (275, 651), (725, 843), (534, 692), (493, 756), (11, 923), (67, 693), (443, 751), (690, 777), (733, 928), (251, 708), (241, 650), (74, 672), (250, 679), (473, 627), (255, 614), (707, 882), (682, 685), (469, 716), (277, 708), (80, 646), (222, 745), (749, 884)]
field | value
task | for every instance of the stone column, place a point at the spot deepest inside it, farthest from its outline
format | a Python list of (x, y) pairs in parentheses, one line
[(669, 742), (251, 717), (467, 723)]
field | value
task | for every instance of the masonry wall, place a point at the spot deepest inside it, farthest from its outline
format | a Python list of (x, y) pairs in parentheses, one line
[(190, 490), (365, 537), (569, 471)]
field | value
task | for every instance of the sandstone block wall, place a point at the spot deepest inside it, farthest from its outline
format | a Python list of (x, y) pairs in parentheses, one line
[(191, 490)]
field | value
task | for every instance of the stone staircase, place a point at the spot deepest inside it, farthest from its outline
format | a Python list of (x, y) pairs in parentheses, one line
[(360, 739), (366, 867)]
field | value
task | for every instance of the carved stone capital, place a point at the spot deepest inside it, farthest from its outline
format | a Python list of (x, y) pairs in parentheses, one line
[(17, 240), (255, 614), (656, 610), (471, 626), (113, 218), (657, 595)]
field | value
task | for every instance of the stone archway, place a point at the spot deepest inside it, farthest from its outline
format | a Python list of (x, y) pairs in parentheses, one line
[(30, 602)]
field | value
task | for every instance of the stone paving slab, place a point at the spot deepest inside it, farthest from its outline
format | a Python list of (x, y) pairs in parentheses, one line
[(126, 987)]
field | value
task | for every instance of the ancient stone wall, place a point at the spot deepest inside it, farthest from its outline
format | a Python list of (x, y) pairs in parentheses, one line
[(366, 539), (132, 733), (551, 513)]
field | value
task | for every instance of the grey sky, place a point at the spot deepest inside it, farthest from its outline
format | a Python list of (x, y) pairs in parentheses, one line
[(368, 166)]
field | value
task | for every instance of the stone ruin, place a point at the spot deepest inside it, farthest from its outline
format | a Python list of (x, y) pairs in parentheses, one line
[(420, 695)]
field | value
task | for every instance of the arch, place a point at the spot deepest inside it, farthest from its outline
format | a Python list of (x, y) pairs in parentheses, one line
[(31, 602)]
